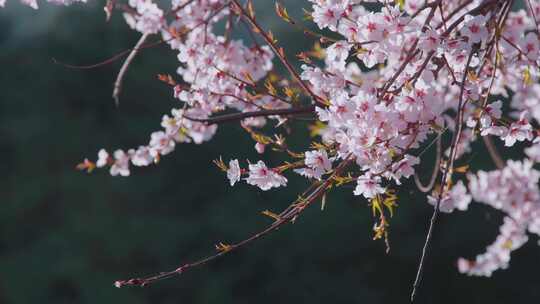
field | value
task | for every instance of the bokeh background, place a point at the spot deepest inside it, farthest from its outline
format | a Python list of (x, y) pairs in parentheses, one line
[(65, 236)]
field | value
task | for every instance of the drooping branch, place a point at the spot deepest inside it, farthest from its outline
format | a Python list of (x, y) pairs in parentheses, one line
[(118, 83), (287, 216), (435, 172), (446, 171), (108, 60)]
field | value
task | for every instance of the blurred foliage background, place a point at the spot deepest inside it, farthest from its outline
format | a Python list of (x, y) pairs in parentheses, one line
[(65, 236)]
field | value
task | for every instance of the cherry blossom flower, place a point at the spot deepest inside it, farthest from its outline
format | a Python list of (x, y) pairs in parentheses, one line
[(475, 28), (487, 124), (404, 168), (336, 55), (148, 18), (141, 157), (161, 143), (260, 148), (368, 186), (327, 14), (531, 46), (518, 131), (456, 198), (121, 164), (103, 158), (234, 172), (317, 163), (533, 152), (430, 41), (264, 178), (372, 26)]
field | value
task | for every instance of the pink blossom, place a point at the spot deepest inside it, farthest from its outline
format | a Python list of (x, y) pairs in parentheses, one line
[(404, 168), (260, 147), (475, 28), (234, 172), (336, 55), (328, 14), (161, 143), (368, 186), (531, 46), (264, 178), (518, 131), (103, 158), (317, 163), (430, 41), (141, 156), (148, 18), (533, 152), (121, 164), (455, 198)]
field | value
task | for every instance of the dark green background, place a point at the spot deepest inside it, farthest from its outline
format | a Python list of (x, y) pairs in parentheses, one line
[(65, 236)]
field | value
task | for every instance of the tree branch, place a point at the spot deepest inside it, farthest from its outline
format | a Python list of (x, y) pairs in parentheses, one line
[(448, 169), (124, 68), (239, 116), (287, 216), (434, 173), (278, 51)]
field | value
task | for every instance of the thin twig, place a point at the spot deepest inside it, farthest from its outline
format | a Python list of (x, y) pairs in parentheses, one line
[(278, 52), (447, 169), (124, 68), (435, 172), (287, 216), (108, 60)]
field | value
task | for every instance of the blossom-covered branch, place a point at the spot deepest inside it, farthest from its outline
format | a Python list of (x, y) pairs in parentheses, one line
[(392, 75)]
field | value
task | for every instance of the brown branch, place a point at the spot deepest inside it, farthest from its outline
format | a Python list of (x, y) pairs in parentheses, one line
[(434, 173), (106, 61), (124, 68), (287, 216), (278, 51), (239, 116), (446, 171)]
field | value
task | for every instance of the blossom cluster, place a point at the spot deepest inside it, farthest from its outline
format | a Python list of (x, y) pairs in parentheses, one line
[(387, 111), (514, 191), (216, 74)]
